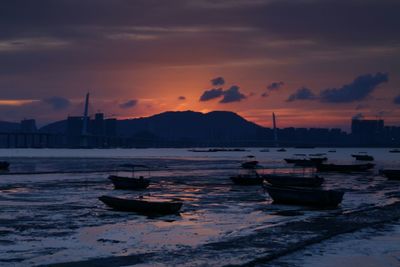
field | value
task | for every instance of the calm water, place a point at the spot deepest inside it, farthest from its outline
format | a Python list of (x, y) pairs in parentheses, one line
[(56, 217)]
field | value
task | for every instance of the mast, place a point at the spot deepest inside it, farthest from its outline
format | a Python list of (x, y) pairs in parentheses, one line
[(275, 129)]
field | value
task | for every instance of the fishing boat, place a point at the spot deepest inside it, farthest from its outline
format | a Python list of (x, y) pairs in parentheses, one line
[(4, 165), (142, 206), (132, 183), (391, 174), (293, 180), (306, 162), (344, 167), (304, 196), (363, 157)]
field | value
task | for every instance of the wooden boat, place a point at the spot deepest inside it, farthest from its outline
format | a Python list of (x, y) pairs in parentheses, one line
[(4, 165), (292, 180), (344, 167), (304, 196), (244, 179), (142, 206), (121, 182), (391, 174), (363, 157)]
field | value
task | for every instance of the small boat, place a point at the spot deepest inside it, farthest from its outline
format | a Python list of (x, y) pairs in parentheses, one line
[(132, 183), (292, 180), (396, 150), (247, 180), (304, 196), (332, 151), (363, 157), (128, 182), (344, 167), (264, 150), (391, 174), (281, 150), (252, 164), (4, 165), (304, 162), (142, 206)]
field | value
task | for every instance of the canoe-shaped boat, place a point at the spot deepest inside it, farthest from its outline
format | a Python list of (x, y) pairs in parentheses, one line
[(4, 165), (247, 180), (142, 206), (344, 167), (304, 196), (391, 174), (129, 183), (363, 157), (292, 180)]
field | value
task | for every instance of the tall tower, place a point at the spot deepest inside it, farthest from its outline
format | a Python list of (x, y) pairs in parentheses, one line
[(275, 129), (85, 116)]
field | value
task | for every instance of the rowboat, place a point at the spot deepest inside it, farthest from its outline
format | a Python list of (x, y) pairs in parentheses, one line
[(142, 206), (304, 196), (292, 180)]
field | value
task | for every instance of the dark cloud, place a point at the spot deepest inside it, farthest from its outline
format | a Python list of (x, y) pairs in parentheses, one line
[(211, 94), (359, 89), (302, 94), (232, 94), (396, 100), (57, 103), (219, 81), (128, 104), (181, 97), (275, 86)]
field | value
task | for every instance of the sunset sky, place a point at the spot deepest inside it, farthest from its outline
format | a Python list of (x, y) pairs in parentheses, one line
[(315, 63)]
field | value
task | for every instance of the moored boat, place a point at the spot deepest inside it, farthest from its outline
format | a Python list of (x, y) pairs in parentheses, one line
[(344, 167), (128, 182), (396, 150), (391, 174), (293, 180), (363, 157), (142, 206), (304, 196)]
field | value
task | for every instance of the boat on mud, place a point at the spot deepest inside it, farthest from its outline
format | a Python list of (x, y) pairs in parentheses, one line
[(304, 196), (142, 206), (130, 183), (391, 174), (293, 180), (4, 165), (344, 167), (363, 157)]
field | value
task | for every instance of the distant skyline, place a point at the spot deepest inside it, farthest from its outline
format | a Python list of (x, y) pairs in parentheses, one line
[(313, 63)]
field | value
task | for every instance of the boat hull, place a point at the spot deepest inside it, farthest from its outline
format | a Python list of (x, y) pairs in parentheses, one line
[(129, 183), (141, 206), (247, 180), (305, 196), (391, 174), (344, 168)]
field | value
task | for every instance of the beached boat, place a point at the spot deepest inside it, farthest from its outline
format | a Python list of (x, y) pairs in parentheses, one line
[(121, 182), (244, 179), (132, 183), (142, 206), (344, 167), (4, 165), (304, 196), (293, 180), (363, 157), (391, 174)]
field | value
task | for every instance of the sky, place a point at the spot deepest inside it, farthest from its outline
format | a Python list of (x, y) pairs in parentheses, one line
[(315, 63)]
